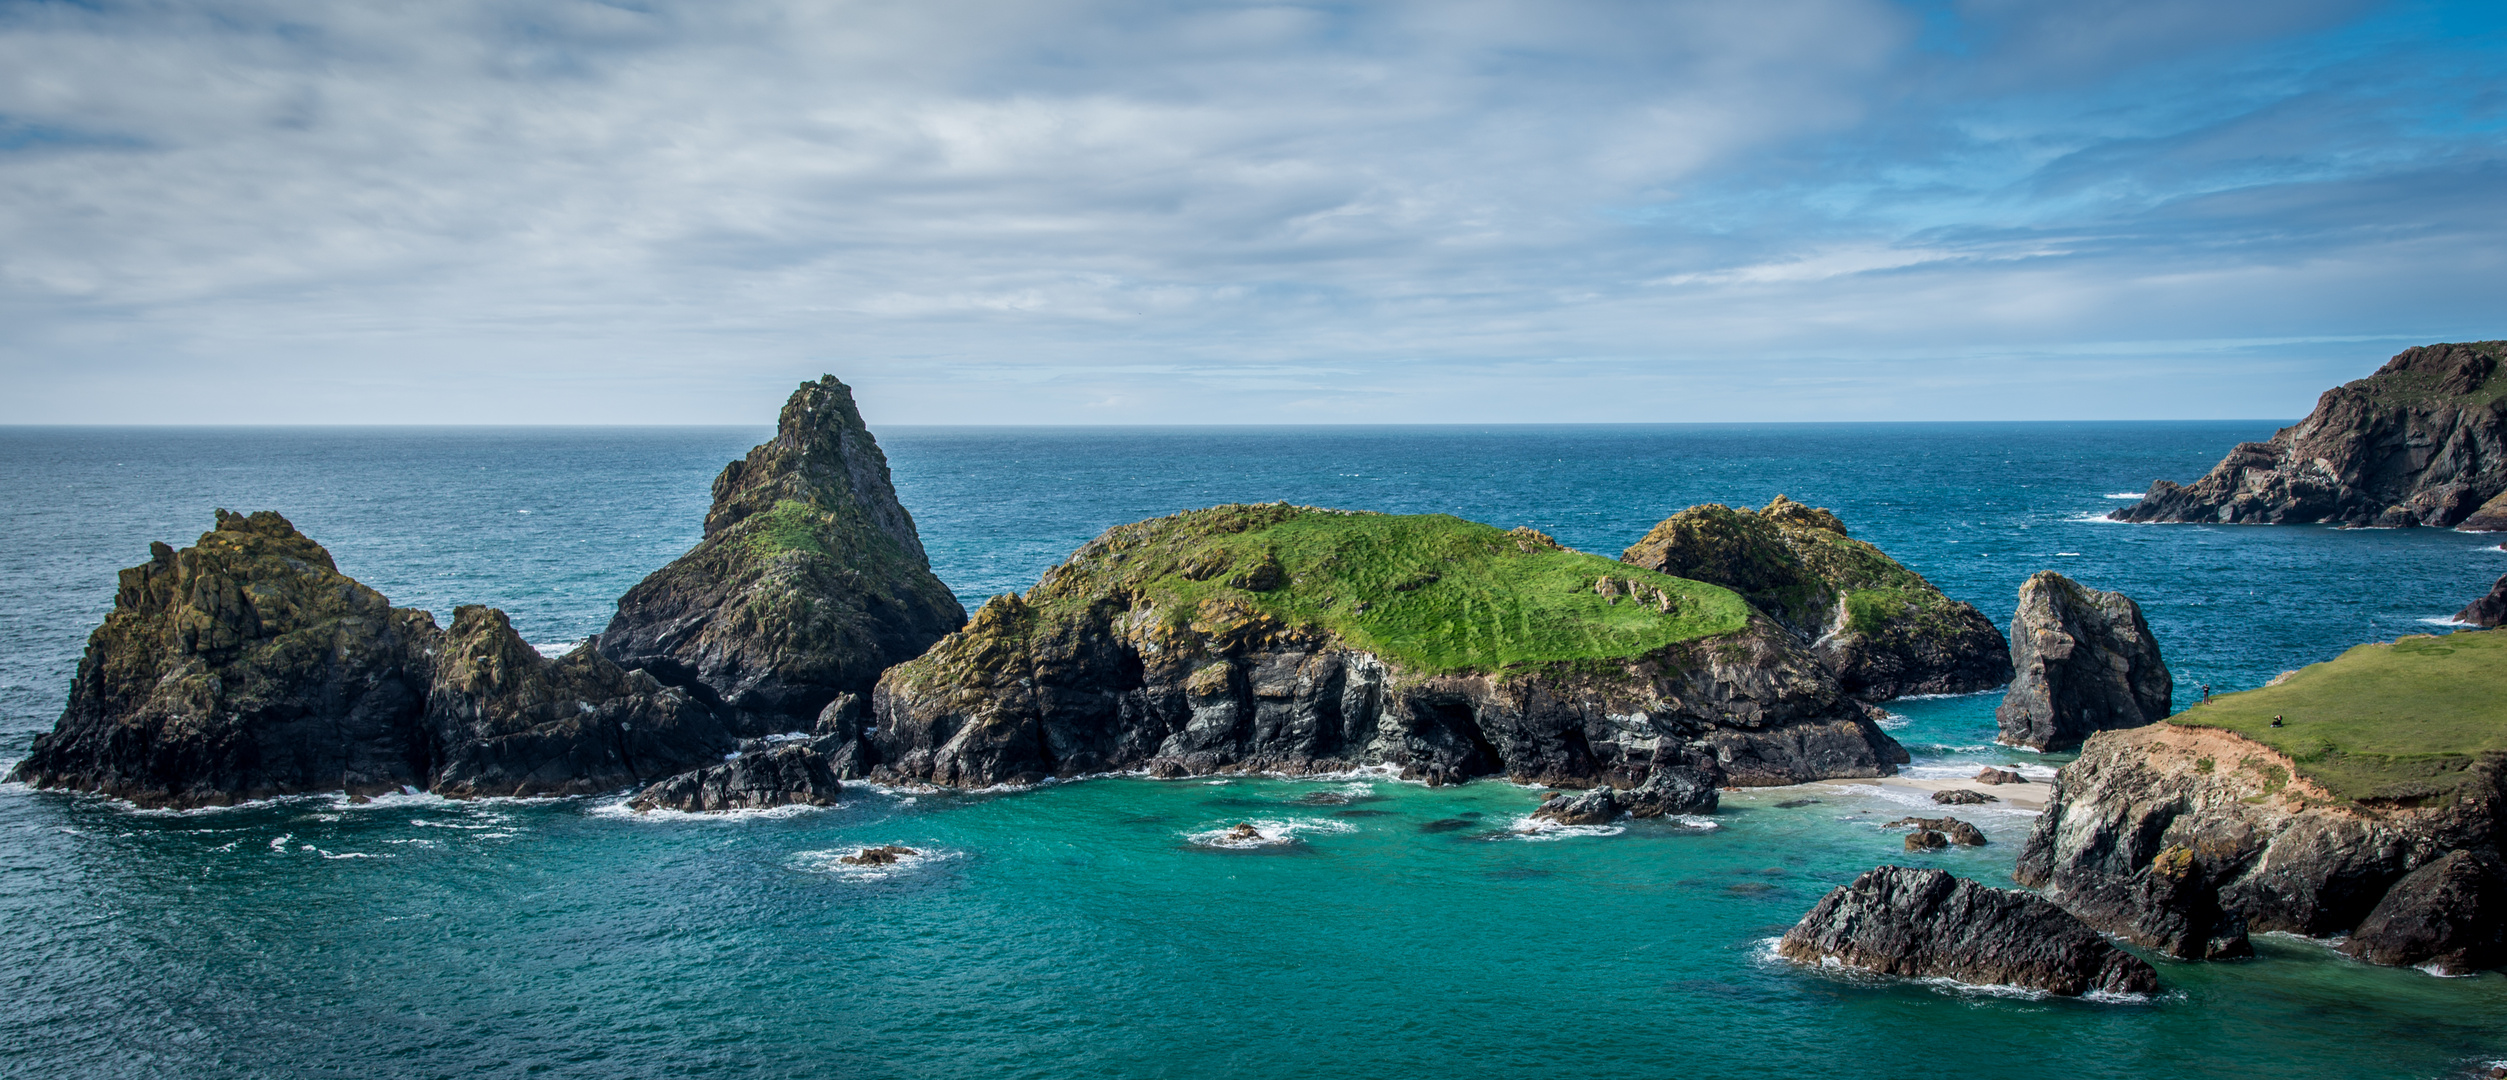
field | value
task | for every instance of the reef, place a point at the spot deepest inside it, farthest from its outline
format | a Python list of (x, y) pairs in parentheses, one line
[(1881, 627), (2084, 661), (2423, 441), (1298, 640), (809, 582), (1894, 920)]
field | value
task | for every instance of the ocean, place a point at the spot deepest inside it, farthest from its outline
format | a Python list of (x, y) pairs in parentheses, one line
[(1088, 928)]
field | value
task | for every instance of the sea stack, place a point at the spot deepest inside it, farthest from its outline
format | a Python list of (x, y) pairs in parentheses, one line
[(809, 582), (2489, 610), (2421, 442), (2084, 661), (1927, 924), (1881, 627), (1297, 640)]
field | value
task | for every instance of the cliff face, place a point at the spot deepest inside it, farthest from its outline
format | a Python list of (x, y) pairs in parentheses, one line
[(2084, 661), (2421, 442), (244, 667), (2187, 839), (1289, 639), (809, 582), (1881, 627)]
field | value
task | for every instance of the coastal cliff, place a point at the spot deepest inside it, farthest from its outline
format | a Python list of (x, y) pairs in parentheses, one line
[(2186, 836), (2083, 661), (1881, 627), (809, 582), (2421, 442), (1299, 640)]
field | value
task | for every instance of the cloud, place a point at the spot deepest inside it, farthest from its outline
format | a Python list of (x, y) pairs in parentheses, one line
[(1091, 211)]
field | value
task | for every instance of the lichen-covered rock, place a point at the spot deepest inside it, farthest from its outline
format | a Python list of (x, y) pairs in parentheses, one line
[(1296, 640), (2186, 839), (2490, 610), (2084, 662), (243, 667), (1881, 627), (810, 580), (794, 774), (503, 720), (2421, 442), (1962, 797), (1927, 924), (2449, 916)]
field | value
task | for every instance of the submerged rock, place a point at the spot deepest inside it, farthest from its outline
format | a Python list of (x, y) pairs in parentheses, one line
[(810, 580), (794, 774), (2490, 610), (1296, 640), (1955, 831), (2085, 662), (1881, 627), (1962, 797), (2421, 442), (1925, 923)]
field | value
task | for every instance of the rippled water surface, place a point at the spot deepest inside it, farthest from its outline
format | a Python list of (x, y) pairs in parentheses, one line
[(1104, 927)]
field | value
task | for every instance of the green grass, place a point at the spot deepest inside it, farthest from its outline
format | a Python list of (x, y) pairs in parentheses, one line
[(2409, 388), (1432, 592), (2395, 722), (790, 526)]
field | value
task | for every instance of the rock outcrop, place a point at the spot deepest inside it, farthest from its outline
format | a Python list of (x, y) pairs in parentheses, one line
[(2449, 916), (1927, 924), (2187, 839), (2490, 610), (2084, 662), (1949, 828), (2421, 442), (1295, 640), (1881, 627), (244, 667), (809, 582), (794, 774), (248, 667)]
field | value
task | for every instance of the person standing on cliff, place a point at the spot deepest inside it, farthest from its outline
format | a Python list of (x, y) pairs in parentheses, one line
[(2206, 693)]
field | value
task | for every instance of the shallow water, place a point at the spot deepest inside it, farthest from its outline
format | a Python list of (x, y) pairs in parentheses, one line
[(1093, 928)]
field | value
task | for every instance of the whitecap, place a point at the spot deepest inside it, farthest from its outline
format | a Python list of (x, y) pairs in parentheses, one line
[(619, 809), (1528, 827), (1890, 721), (349, 855), (1268, 832), (280, 844), (2133, 495), (831, 861), (555, 649), (2067, 554), (2449, 621)]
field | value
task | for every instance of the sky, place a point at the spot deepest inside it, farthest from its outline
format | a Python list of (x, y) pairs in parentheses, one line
[(1109, 212)]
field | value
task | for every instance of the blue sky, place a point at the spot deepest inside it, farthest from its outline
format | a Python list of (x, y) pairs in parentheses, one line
[(1113, 212)]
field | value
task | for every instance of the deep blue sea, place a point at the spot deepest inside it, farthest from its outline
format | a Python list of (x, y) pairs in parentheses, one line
[(1077, 929)]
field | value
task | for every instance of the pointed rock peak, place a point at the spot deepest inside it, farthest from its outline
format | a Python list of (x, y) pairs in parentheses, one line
[(823, 458), (262, 532)]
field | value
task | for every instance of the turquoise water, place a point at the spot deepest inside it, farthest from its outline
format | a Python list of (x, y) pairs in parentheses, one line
[(1090, 928)]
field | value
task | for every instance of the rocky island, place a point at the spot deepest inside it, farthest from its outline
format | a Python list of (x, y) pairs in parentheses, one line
[(2360, 796), (2423, 441), (1925, 923), (1300, 640), (1881, 627), (2084, 661)]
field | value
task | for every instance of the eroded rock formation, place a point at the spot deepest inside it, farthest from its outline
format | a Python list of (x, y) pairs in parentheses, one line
[(2084, 661), (1885, 630), (2490, 610), (793, 774), (809, 582), (1925, 923), (2421, 442)]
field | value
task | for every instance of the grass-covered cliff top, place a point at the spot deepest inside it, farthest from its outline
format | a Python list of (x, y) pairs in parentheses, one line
[(2388, 721), (2472, 374), (1432, 592), (1794, 561)]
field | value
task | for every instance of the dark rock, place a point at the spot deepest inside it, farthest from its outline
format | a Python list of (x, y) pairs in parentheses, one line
[(2489, 610), (1958, 832), (2490, 517), (244, 667), (1925, 840), (1962, 797), (2421, 442), (883, 855), (2450, 915), (1670, 791), (794, 774), (1595, 807), (1991, 775), (2085, 662), (1881, 627), (1926, 923), (810, 580)]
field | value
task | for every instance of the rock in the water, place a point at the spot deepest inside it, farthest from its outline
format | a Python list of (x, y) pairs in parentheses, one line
[(1297, 640), (1926, 840), (1991, 775), (1962, 797), (1928, 924), (244, 667), (1671, 790), (2491, 517), (2489, 610), (1885, 630), (810, 580), (2449, 915), (794, 774), (1956, 831), (2421, 442), (1595, 807), (883, 855), (2085, 662)]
